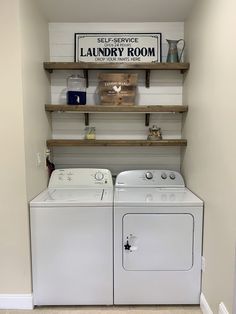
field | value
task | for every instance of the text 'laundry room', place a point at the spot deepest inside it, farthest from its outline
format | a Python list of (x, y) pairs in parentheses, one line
[(118, 157)]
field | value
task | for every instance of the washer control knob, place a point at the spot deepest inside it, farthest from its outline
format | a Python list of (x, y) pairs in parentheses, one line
[(163, 175), (172, 176), (149, 175), (99, 176)]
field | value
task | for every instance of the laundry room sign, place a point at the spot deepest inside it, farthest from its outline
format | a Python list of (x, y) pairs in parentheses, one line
[(118, 47)]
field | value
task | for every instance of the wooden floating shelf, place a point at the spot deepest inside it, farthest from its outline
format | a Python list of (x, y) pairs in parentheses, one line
[(67, 143), (85, 66), (50, 66), (86, 109), (117, 109)]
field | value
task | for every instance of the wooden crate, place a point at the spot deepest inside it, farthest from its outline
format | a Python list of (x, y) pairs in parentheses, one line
[(117, 88)]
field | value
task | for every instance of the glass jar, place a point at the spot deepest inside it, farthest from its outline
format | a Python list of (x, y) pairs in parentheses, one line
[(76, 90)]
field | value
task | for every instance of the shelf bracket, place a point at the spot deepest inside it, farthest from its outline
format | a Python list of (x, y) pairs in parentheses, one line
[(86, 77), (147, 119), (148, 73), (86, 118)]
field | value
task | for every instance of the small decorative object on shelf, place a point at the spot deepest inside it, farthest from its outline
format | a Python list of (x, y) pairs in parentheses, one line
[(117, 88), (154, 134), (90, 133), (76, 90), (173, 55)]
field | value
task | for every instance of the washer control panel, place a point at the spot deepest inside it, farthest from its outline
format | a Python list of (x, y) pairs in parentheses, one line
[(80, 177), (155, 178)]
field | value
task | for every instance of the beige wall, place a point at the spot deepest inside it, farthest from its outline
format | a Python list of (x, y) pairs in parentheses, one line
[(14, 236), (35, 50), (20, 135), (209, 160)]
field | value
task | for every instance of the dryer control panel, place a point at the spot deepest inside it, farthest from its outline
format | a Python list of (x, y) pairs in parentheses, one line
[(80, 177), (150, 178)]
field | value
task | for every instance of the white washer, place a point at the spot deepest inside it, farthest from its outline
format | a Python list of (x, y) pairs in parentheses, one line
[(157, 239), (71, 239)]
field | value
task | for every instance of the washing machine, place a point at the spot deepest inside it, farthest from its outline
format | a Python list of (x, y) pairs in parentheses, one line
[(157, 239), (71, 239)]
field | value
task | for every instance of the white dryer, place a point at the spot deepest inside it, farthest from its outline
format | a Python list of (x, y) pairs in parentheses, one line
[(157, 239), (71, 239)]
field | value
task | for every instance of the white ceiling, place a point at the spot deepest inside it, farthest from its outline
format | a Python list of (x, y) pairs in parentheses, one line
[(119, 11)]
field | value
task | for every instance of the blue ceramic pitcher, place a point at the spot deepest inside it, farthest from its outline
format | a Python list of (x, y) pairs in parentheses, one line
[(173, 55)]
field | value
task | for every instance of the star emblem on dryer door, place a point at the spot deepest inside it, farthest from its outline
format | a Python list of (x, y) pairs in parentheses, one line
[(127, 246)]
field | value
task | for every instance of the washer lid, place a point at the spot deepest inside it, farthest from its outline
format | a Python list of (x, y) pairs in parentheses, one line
[(73, 197), (155, 196)]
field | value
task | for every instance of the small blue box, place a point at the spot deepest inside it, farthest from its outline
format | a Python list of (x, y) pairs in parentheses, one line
[(76, 98)]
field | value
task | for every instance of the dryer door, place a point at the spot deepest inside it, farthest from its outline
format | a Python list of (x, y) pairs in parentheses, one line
[(158, 242)]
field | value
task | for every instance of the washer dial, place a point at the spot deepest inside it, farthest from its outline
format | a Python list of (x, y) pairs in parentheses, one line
[(99, 176)]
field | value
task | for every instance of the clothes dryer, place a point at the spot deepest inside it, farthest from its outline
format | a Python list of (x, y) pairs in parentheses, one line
[(157, 239), (71, 239)]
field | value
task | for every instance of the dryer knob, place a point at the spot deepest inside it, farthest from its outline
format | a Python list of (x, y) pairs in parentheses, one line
[(172, 176), (149, 175), (163, 175), (99, 176)]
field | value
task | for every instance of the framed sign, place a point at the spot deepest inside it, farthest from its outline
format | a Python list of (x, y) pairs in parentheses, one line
[(117, 47)]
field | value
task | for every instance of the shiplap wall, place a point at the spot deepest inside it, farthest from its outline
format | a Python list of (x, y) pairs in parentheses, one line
[(166, 88)]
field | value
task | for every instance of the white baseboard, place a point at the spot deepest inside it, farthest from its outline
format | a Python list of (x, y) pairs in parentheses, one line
[(222, 309), (204, 305), (16, 301)]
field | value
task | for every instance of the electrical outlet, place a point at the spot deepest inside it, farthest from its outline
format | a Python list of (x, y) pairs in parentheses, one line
[(203, 264), (38, 159)]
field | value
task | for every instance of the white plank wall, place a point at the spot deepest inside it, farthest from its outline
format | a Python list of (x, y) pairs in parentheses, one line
[(166, 88), (117, 159), (114, 126)]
